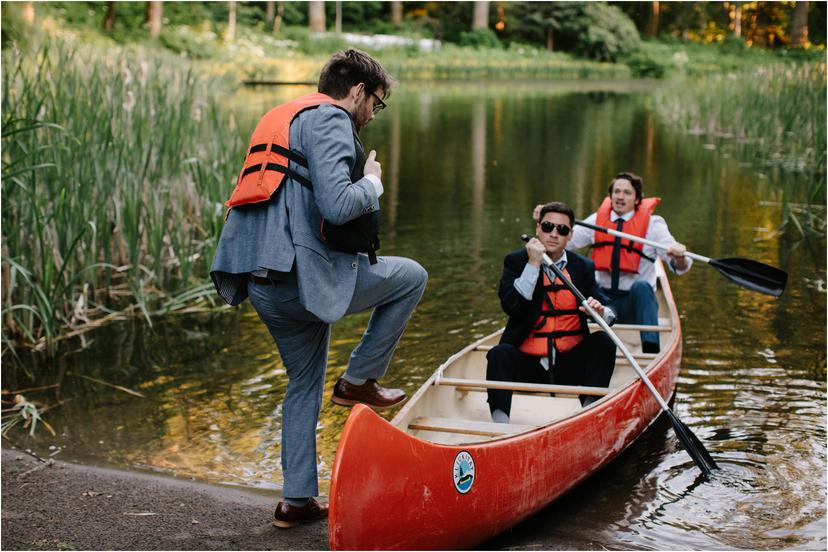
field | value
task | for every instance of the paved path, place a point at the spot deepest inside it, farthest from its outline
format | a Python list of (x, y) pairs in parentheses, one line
[(62, 506)]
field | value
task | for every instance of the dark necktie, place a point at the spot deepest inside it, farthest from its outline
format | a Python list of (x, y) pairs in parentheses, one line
[(615, 264)]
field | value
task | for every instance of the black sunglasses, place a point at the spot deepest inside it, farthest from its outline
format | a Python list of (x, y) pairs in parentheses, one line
[(378, 106), (547, 227)]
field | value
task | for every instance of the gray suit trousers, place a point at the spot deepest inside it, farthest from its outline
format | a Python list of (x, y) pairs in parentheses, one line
[(392, 287)]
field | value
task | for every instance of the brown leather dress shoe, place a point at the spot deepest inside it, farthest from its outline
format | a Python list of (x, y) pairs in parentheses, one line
[(287, 516), (370, 393)]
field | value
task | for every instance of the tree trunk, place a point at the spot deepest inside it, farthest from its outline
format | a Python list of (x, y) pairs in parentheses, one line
[(799, 25), (652, 24), (277, 22), (338, 19), (269, 9), (396, 13), (316, 16), (230, 35), (154, 11), (109, 21), (550, 44), (737, 19), (28, 13), (481, 16)]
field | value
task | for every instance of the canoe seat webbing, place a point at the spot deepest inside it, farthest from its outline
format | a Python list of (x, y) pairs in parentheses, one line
[(528, 387), (468, 427)]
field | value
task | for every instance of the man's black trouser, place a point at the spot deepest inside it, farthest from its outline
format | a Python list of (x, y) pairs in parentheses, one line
[(589, 363)]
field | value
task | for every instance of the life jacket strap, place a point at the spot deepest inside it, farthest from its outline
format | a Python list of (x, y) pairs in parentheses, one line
[(276, 148), (627, 246), (282, 169), (561, 333)]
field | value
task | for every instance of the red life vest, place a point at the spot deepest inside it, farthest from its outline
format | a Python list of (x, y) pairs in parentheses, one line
[(630, 251), (559, 322), (266, 164)]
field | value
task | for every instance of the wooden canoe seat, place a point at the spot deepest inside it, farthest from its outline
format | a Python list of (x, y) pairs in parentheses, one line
[(526, 387), (468, 427)]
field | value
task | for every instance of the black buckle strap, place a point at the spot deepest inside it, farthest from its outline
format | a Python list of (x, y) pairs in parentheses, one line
[(561, 333), (276, 148), (282, 169), (628, 246)]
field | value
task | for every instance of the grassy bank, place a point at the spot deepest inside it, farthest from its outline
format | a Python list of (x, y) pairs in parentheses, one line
[(111, 188), (773, 116)]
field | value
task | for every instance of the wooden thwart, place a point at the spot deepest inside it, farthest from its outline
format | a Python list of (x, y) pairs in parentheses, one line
[(468, 427), (521, 386), (642, 356)]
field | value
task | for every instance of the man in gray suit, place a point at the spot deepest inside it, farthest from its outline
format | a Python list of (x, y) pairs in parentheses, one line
[(275, 253)]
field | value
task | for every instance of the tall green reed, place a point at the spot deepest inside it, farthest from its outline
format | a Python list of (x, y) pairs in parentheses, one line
[(114, 167), (775, 116)]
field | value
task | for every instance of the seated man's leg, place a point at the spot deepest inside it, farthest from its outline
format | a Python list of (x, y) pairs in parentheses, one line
[(600, 359), (590, 363), (503, 362), (392, 287), (645, 312)]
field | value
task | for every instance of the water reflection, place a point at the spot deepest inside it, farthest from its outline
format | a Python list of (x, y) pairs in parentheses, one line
[(463, 168)]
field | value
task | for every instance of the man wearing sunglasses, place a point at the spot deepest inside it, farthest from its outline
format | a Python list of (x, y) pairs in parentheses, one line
[(625, 270), (546, 339), (293, 243)]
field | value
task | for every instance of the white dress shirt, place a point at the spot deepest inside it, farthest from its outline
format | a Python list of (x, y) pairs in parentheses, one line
[(657, 231)]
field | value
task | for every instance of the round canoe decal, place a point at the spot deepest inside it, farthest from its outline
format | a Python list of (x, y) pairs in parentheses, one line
[(463, 472)]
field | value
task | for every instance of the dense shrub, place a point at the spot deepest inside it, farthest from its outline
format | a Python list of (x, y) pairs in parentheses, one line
[(480, 38)]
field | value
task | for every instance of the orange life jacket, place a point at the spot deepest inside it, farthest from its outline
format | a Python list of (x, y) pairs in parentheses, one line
[(630, 251), (266, 164), (559, 322)]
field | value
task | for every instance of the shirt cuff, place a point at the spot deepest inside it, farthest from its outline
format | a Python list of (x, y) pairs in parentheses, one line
[(525, 285), (376, 182), (609, 315), (680, 272)]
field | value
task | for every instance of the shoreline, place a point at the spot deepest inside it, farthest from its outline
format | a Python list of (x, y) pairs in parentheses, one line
[(62, 506)]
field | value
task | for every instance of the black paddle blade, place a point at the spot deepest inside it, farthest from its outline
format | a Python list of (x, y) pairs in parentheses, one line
[(752, 275), (692, 445)]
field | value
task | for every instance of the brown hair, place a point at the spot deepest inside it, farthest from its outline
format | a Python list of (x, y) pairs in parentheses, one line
[(635, 180), (557, 207), (348, 68)]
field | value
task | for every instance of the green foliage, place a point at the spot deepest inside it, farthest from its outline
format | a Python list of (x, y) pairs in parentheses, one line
[(15, 30), (605, 33), (590, 29), (480, 38), (111, 194), (733, 45), (644, 64), (773, 114)]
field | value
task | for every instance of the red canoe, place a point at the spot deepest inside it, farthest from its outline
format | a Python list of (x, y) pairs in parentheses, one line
[(441, 475)]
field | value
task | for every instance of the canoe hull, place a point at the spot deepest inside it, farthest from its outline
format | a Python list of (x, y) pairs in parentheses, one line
[(393, 491)]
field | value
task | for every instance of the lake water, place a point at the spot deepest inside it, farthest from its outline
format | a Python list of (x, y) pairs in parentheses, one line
[(463, 166)]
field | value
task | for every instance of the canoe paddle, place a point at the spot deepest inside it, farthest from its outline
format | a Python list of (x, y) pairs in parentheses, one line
[(689, 441), (747, 273)]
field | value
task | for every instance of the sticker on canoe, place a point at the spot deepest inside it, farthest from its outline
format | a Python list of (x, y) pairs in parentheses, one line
[(463, 472)]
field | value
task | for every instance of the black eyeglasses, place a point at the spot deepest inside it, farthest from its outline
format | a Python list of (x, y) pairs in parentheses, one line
[(378, 106), (547, 227)]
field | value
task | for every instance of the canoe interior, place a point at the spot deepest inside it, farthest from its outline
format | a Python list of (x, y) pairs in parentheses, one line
[(463, 413)]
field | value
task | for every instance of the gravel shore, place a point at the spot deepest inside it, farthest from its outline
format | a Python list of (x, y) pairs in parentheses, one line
[(61, 506)]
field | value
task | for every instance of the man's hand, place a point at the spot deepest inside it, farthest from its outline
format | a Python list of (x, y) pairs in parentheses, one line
[(372, 166), (535, 249), (596, 306), (536, 212), (676, 252)]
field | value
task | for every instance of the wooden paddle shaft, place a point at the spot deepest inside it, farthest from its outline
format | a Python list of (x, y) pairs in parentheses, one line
[(601, 322), (645, 241)]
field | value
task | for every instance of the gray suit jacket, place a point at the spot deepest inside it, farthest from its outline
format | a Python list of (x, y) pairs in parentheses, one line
[(283, 234)]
